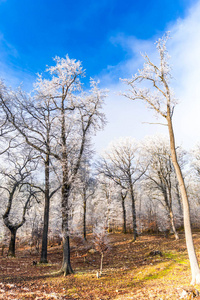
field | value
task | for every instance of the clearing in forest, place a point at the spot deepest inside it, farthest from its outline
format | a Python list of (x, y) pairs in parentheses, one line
[(130, 271)]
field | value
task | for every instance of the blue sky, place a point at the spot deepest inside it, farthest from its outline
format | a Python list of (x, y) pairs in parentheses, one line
[(32, 32), (107, 36)]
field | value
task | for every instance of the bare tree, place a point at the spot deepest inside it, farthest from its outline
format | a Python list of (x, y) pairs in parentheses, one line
[(160, 177), (101, 243), (86, 188), (7, 130), (112, 194), (196, 160), (16, 182), (121, 164), (123, 197), (78, 115), (162, 101), (33, 117), (104, 202)]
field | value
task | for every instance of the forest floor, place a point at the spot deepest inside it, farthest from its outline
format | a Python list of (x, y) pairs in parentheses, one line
[(129, 271)]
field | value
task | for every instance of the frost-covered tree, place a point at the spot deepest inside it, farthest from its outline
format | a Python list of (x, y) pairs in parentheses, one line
[(193, 183), (161, 179), (123, 195), (159, 97), (85, 187), (101, 243), (33, 117), (105, 202), (7, 131), (76, 115), (16, 187), (196, 160), (121, 164), (111, 200)]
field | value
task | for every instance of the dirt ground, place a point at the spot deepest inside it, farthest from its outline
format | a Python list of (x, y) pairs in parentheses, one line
[(130, 271)]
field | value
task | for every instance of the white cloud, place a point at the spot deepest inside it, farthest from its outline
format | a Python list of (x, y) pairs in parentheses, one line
[(126, 117), (185, 55)]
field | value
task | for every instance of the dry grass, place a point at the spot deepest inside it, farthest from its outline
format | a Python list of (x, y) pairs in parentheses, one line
[(129, 272)]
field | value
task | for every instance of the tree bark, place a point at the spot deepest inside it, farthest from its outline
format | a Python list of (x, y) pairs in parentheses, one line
[(11, 249), (66, 263), (168, 203), (101, 264), (124, 213), (43, 258), (179, 204), (84, 218), (171, 216), (133, 212), (186, 210), (66, 187)]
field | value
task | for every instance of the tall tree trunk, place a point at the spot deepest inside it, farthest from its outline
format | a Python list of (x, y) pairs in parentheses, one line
[(11, 249), (43, 258), (133, 212), (124, 213), (66, 187), (171, 214), (108, 211), (84, 218), (168, 203), (66, 263), (171, 217), (179, 204), (101, 264), (186, 210), (108, 221)]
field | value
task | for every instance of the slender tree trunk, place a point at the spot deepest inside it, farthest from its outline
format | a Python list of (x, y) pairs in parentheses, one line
[(179, 204), (11, 249), (171, 214), (66, 263), (133, 212), (109, 227), (168, 203), (179, 199), (108, 211), (43, 258), (84, 218), (171, 217), (101, 264), (66, 187), (186, 210), (139, 216), (124, 214)]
